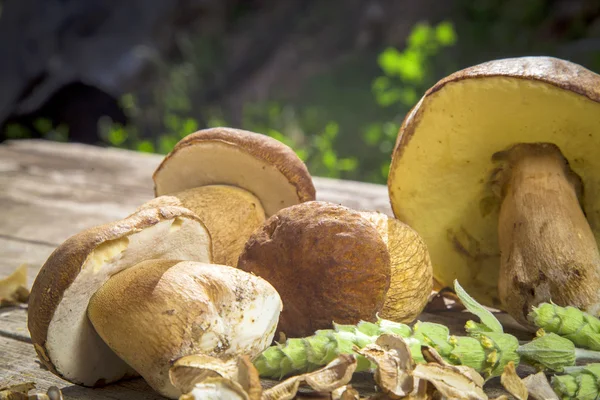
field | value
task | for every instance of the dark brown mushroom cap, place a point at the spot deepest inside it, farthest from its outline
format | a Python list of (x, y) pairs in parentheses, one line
[(441, 170), (89, 258), (258, 163), (328, 263)]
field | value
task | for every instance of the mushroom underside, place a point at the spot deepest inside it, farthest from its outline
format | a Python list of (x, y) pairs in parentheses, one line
[(215, 163), (442, 177)]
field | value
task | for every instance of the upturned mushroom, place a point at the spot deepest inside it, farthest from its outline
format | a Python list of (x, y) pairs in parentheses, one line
[(111, 302), (496, 168), (333, 264), (256, 177)]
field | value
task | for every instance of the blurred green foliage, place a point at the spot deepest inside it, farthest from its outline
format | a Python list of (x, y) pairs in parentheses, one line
[(309, 130)]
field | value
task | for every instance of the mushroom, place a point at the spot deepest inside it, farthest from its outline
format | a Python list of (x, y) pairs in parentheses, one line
[(331, 264), (98, 266), (161, 310), (495, 167), (257, 174), (230, 214)]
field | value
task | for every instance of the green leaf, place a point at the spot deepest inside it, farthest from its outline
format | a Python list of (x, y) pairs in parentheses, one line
[(166, 143), (373, 134), (410, 66), (42, 125), (445, 34), (388, 60), (389, 97), (385, 170), (348, 164), (16, 131), (408, 96), (419, 35), (117, 135), (331, 130), (145, 146), (485, 315), (128, 102), (189, 125), (329, 159)]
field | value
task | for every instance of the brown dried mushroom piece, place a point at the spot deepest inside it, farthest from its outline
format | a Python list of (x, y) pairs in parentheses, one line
[(161, 310), (327, 262), (230, 214), (13, 288), (489, 168), (63, 336)]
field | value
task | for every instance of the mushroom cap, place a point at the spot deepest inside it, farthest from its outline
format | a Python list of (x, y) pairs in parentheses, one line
[(61, 333), (411, 279), (161, 310), (440, 177), (230, 214), (328, 263), (224, 156)]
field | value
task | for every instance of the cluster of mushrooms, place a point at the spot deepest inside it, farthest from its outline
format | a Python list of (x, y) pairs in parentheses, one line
[(494, 168)]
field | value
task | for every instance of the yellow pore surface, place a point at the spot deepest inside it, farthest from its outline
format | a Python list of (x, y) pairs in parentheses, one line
[(439, 184)]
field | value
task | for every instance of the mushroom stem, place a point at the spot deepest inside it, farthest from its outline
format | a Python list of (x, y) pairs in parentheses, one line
[(548, 250)]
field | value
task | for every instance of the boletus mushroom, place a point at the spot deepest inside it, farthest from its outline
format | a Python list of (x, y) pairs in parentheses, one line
[(233, 179), (148, 309), (333, 264), (496, 168)]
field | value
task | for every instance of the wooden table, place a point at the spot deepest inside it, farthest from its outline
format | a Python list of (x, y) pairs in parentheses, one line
[(50, 191)]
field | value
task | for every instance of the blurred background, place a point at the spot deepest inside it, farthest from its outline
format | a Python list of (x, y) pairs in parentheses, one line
[(331, 78)]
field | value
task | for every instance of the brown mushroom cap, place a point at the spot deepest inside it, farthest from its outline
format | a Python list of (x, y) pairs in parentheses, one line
[(440, 177), (328, 263), (61, 333), (223, 156), (230, 214), (411, 279), (160, 310)]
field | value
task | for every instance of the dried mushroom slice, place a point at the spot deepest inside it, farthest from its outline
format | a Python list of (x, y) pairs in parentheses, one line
[(539, 388), (13, 289), (216, 389), (449, 382), (190, 370), (512, 383), (257, 163), (64, 338), (491, 161), (160, 310)]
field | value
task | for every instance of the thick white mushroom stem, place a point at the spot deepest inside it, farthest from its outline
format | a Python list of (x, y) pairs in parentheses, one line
[(548, 251)]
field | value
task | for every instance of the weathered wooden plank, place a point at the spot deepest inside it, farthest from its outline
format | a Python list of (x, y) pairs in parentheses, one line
[(18, 363), (50, 212), (107, 169)]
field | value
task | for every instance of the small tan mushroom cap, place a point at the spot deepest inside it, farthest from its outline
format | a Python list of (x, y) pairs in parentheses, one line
[(439, 180), (230, 214), (61, 333), (161, 310), (327, 262), (223, 156), (411, 279)]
